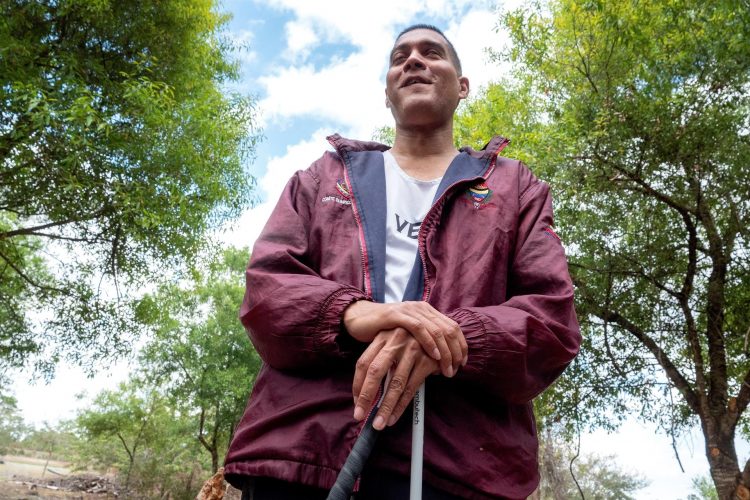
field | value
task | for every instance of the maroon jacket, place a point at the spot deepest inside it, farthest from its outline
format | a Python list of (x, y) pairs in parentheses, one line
[(489, 260)]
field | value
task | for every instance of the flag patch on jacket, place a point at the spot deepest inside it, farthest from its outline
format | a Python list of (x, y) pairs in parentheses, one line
[(479, 194)]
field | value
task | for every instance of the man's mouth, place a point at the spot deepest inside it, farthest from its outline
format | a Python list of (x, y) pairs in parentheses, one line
[(414, 79)]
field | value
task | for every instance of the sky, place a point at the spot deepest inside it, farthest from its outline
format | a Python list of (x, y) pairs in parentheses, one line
[(316, 68)]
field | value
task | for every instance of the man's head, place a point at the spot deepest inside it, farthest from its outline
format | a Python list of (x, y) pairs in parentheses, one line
[(451, 49), (424, 83)]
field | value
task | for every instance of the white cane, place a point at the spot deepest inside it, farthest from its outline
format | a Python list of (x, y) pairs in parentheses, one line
[(417, 445)]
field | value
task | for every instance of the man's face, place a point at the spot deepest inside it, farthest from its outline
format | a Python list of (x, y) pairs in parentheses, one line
[(423, 87)]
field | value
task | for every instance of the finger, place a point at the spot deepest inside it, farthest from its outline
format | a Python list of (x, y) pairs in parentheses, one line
[(454, 336), (455, 340), (395, 388), (437, 326), (363, 363), (438, 331), (413, 322), (418, 375), (374, 374)]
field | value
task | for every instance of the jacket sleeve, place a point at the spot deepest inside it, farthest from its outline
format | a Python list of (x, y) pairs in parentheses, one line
[(518, 348), (293, 315)]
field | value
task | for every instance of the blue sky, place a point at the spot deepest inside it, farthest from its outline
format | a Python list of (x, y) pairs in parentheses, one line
[(318, 68)]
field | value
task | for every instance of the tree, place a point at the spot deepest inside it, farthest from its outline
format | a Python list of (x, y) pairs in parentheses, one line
[(136, 430), (12, 426), (119, 151), (642, 108), (200, 353)]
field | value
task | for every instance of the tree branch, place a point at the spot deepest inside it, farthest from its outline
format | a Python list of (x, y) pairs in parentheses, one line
[(35, 229), (201, 437), (662, 358), (127, 449), (684, 300), (28, 279), (586, 70), (715, 300), (743, 398)]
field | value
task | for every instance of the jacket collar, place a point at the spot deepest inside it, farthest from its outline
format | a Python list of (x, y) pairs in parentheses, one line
[(344, 145)]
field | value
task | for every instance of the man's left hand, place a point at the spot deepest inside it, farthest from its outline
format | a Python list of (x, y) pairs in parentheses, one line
[(395, 348)]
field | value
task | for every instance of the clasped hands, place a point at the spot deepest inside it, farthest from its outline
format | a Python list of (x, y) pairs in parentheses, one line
[(414, 339)]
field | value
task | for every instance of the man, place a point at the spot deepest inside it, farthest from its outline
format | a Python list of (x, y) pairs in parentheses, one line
[(435, 264)]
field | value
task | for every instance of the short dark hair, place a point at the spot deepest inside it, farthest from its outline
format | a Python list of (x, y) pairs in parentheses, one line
[(451, 49)]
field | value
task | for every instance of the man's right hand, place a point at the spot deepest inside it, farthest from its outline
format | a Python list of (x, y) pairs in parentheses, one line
[(440, 337)]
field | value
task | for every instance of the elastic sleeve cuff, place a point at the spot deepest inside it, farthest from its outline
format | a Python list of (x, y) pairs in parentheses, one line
[(475, 334), (332, 334)]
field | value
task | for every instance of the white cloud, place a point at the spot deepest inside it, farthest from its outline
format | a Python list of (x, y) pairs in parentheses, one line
[(472, 36), (301, 38), (349, 91)]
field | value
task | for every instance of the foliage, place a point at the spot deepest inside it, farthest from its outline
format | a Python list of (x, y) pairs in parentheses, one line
[(200, 352), (137, 432), (704, 488), (637, 114), (12, 426), (118, 152), (189, 394), (385, 135)]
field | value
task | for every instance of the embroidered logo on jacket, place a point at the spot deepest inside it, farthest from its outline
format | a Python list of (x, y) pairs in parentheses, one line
[(479, 195), (341, 188)]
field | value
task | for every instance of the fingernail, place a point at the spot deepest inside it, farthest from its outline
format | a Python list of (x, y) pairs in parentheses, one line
[(436, 353), (379, 422), (359, 413), (391, 420), (466, 360), (450, 371)]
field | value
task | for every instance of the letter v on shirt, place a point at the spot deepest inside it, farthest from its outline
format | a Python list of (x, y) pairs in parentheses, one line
[(407, 202)]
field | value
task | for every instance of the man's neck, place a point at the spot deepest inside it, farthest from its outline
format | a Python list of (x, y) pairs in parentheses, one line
[(424, 154)]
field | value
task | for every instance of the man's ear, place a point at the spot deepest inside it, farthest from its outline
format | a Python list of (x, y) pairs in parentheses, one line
[(463, 87), (387, 101)]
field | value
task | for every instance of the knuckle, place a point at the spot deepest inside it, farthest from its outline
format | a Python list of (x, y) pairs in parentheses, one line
[(386, 407), (399, 408), (374, 370), (362, 365), (364, 396), (396, 385), (408, 395)]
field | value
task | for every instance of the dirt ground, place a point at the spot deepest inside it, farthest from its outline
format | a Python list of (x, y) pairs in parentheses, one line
[(25, 478)]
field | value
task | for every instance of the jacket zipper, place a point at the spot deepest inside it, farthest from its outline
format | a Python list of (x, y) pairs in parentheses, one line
[(360, 232)]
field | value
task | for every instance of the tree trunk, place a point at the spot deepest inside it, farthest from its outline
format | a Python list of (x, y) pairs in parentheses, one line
[(214, 459), (722, 460)]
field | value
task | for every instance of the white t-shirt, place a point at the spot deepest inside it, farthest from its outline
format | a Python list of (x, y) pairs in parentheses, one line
[(407, 202)]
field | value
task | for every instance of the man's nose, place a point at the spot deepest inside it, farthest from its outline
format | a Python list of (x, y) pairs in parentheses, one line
[(414, 61)]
